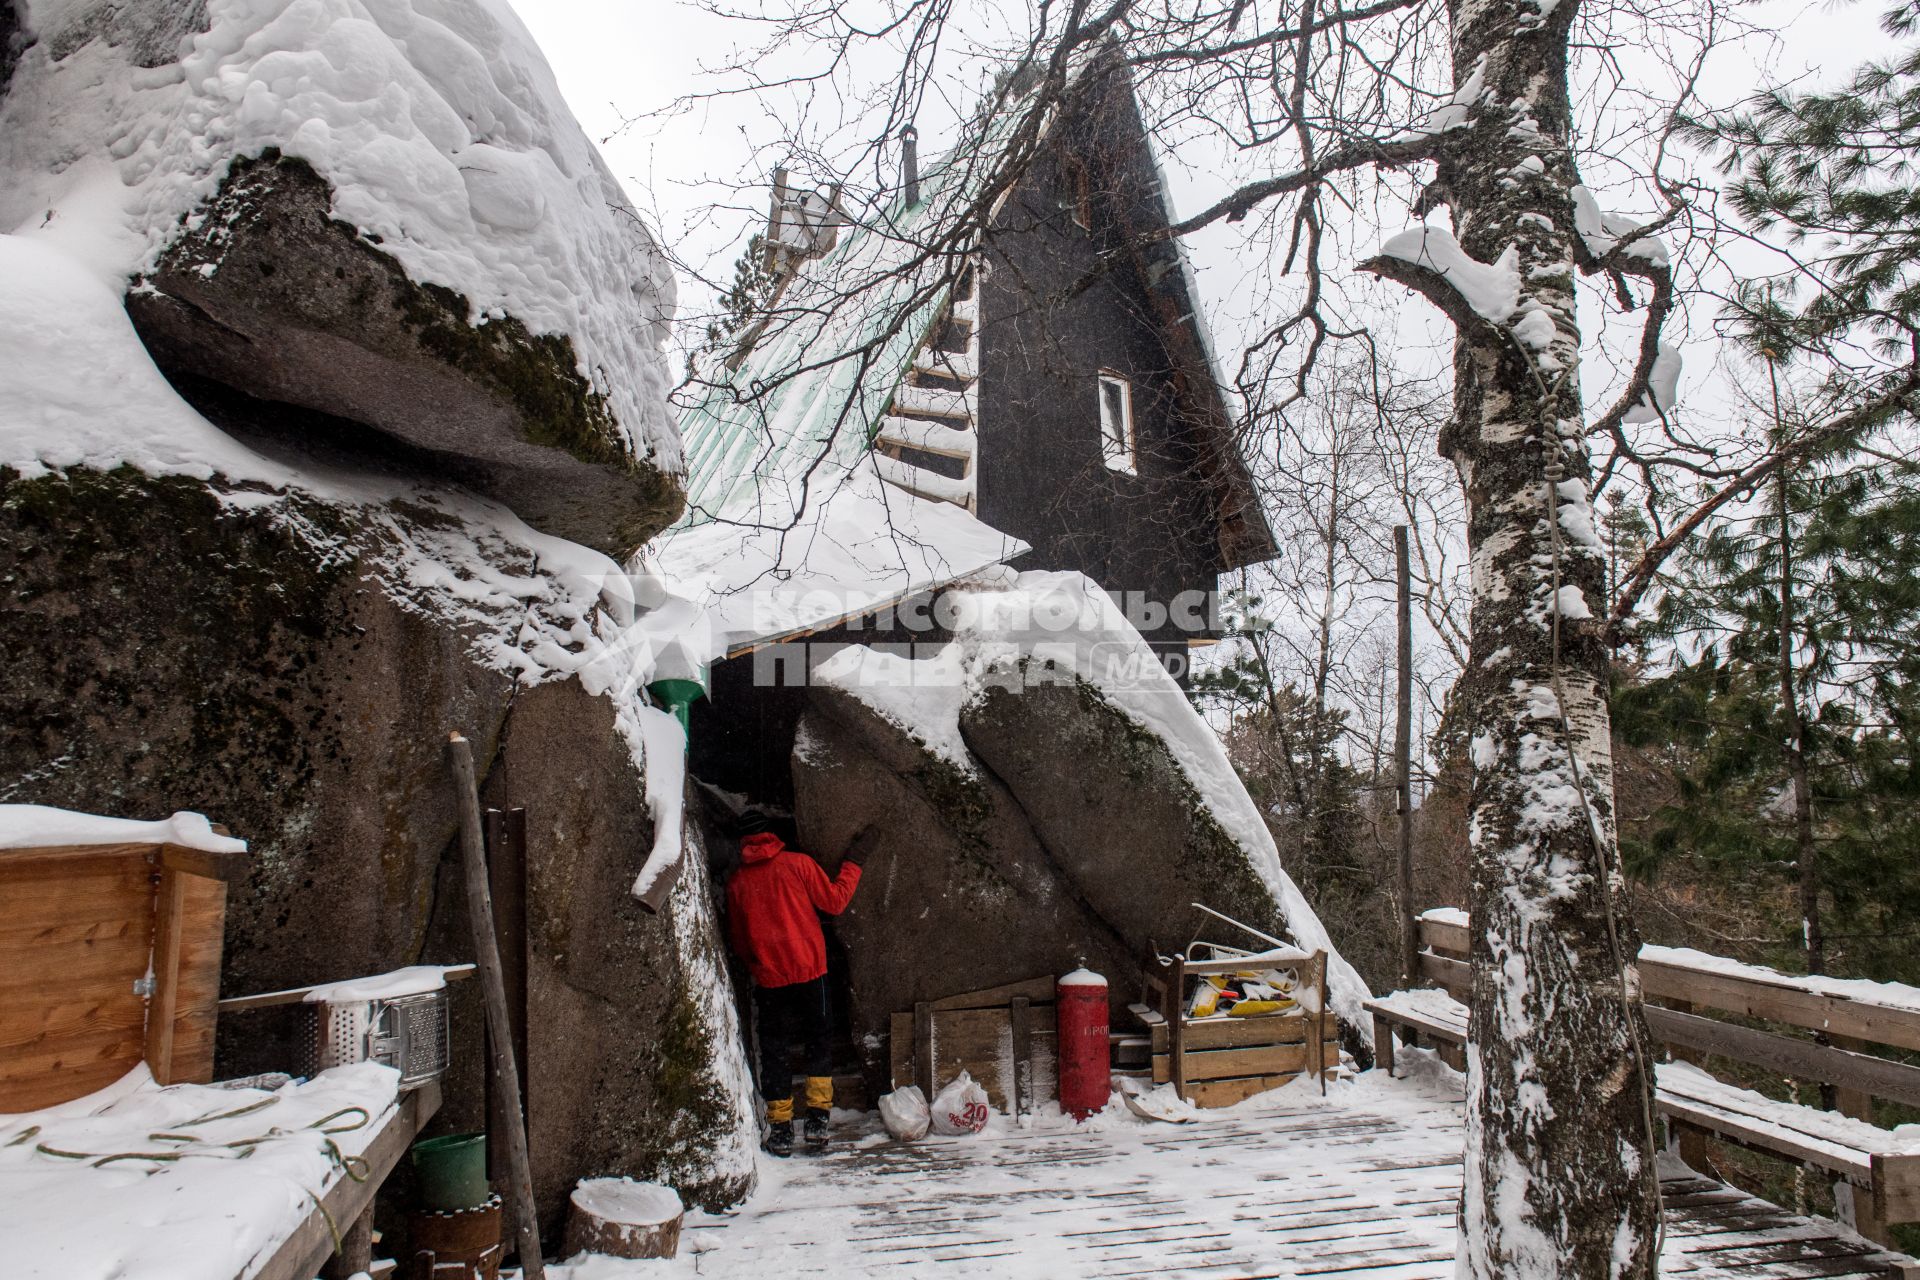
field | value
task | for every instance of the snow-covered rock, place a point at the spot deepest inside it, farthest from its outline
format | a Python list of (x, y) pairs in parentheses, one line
[(1037, 792), (198, 624), (376, 210)]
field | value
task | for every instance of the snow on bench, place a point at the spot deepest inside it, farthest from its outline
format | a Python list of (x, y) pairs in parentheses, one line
[(197, 1182), (1828, 1139), (1882, 1163), (1431, 1012)]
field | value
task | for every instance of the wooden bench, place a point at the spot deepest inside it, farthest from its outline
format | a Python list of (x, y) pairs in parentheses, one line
[(1877, 1179), (1434, 1014), (336, 1240), (1221, 1060)]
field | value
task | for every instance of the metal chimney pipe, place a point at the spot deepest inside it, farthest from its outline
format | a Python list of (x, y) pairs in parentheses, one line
[(910, 164)]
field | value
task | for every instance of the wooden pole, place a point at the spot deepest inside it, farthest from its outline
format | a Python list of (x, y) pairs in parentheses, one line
[(1403, 757), (505, 1073)]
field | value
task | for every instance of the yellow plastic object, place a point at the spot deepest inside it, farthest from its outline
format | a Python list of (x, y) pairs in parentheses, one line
[(1205, 1001), (1254, 1008)]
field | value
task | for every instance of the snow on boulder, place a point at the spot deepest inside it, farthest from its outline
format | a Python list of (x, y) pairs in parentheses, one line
[(1038, 791), (378, 211), (194, 624)]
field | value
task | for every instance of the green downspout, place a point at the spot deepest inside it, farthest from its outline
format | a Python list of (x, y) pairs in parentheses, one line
[(678, 695)]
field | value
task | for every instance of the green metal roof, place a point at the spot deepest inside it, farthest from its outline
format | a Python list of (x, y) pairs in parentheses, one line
[(801, 409)]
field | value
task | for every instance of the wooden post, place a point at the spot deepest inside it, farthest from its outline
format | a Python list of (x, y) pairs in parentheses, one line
[(506, 881), (1383, 1043), (1176, 1026), (1317, 1028), (1403, 757), (1022, 1057), (505, 1073), (355, 1254), (164, 1005), (922, 1049), (1853, 1102)]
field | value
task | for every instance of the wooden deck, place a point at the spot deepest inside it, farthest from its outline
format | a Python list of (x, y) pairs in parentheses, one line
[(1363, 1184)]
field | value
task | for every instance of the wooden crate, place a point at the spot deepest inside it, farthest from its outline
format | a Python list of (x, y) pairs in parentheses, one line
[(81, 929), (1003, 1037), (1221, 1060)]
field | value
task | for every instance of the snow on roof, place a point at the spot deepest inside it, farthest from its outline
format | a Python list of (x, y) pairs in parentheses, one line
[(777, 432), (853, 552), (37, 826), (789, 527), (438, 126)]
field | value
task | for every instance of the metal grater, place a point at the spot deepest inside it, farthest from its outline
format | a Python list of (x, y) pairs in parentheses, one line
[(409, 1033)]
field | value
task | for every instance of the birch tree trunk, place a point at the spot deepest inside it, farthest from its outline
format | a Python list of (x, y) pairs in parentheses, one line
[(1559, 1177)]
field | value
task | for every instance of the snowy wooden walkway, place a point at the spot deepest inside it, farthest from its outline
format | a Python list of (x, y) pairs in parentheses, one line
[(1363, 1184)]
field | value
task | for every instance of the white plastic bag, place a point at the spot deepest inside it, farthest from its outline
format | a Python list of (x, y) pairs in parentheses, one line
[(904, 1111), (961, 1107)]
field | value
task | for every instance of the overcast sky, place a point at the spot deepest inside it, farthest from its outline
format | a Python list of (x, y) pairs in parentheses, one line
[(701, 175), (620, 59)]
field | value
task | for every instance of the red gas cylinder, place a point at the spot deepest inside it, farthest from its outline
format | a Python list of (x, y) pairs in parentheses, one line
[(1080, 1014)]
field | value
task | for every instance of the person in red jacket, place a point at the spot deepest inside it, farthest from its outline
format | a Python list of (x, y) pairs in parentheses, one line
[(773, 905)]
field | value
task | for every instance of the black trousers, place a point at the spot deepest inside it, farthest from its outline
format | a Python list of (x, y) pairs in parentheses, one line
[(789, 1017)]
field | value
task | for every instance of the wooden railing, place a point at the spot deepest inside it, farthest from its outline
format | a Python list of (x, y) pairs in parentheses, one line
[(1845, 1017), (1848, 1022)]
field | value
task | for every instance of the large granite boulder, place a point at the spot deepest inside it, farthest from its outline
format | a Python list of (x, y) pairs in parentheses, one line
[(1022, 817), (270, 295), (14, 38), (1124, 826), (381, 214), (957, 893), (285, 665)]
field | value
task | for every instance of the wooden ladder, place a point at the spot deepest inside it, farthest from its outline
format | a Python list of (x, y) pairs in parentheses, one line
[(935, 412)]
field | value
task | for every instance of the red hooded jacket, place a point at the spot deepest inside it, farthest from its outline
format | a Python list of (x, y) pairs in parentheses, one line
[(772, 901)]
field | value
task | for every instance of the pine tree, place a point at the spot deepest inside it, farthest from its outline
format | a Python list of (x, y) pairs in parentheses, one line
[(745, 302), (1285, 741), (1846, 539), (1837, 170)]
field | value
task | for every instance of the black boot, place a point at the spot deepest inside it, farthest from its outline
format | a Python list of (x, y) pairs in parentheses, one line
[(816, 1130), (780, 1138)]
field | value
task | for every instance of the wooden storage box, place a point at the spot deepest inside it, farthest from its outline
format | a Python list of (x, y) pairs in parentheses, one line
[(109, 953), (1221, 1060)]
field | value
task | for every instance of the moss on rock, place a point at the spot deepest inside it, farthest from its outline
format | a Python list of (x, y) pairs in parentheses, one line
[(266, 293), (269, 663)]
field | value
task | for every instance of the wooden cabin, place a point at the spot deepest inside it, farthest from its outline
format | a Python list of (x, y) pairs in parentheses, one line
[(1045, 399)]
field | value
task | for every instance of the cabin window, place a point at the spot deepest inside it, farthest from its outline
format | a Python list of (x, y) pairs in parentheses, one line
[(1079, 199), (1116, 421)]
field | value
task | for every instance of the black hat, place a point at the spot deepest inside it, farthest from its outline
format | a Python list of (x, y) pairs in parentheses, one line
[(751, 822)]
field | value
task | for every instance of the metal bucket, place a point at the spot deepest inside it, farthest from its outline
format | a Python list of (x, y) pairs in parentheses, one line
[(409, 1033)]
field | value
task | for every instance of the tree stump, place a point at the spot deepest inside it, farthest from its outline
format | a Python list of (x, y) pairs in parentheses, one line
[(624, 1219)]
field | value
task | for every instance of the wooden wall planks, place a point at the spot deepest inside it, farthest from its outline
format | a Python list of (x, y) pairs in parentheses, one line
[(80, 928)]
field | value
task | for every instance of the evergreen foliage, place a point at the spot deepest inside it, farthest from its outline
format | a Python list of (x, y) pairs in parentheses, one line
[(746, 300), (1286, 747), (1840, 172), (1853, 534)]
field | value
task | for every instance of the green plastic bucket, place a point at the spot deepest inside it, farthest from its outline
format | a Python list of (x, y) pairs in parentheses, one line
[(453, 1171)]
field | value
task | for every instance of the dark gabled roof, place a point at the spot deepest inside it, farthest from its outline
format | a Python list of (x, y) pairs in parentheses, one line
[(777, 431)]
